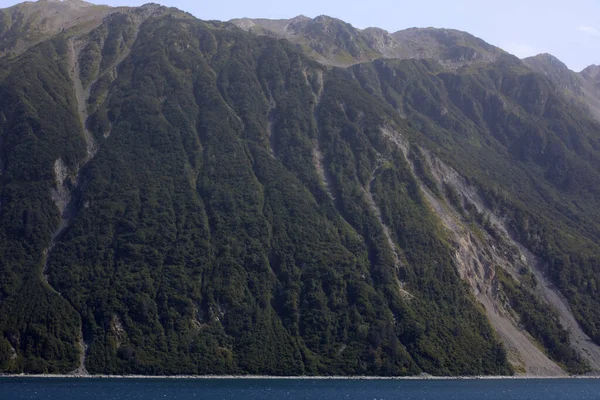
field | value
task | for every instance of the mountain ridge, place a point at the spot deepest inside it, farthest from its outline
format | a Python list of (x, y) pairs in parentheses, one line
[(278, 27), (335, 42), (352, 45)]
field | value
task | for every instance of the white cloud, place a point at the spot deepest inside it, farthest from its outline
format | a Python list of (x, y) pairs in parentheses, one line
[(520, 50), (590, 30)]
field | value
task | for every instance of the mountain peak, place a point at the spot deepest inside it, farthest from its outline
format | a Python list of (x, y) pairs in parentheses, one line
[(552, 67), (300, 17), (70, 2), (324, 18), (546, 58), (555, 70), (592, 71), (450, 47)]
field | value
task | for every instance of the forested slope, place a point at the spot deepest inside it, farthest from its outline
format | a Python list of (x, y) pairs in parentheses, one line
[(183, 197)]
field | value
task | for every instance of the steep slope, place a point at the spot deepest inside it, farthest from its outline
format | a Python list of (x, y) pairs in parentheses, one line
[(180, 196), (161, 173), (55, 104), (334, 42), (528, 161)]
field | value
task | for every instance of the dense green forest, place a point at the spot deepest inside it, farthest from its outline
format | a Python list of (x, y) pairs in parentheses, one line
[(241, 211)]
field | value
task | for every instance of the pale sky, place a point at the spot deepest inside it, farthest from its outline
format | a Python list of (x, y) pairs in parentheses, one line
[(568, 29)]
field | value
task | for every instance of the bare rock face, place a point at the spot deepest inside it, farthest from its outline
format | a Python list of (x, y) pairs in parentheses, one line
[(381, 41), (61, 194), (245, 23), (477, 256)]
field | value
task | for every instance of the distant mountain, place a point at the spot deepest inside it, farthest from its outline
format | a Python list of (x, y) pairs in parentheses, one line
[(184, 197), (591, 89), (448, 46), (336, 42), (582, 88)]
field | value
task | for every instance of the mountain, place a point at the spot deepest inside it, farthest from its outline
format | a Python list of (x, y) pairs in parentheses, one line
[(180, 196), (335, 42), (582, 88)]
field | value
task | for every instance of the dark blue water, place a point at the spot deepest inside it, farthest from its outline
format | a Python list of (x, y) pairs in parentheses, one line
[(246, 389)]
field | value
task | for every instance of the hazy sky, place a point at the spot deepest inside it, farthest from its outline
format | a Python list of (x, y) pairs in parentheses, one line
[(568, 29)]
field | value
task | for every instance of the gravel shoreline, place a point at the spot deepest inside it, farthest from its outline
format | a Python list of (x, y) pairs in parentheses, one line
[(421, 377)]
